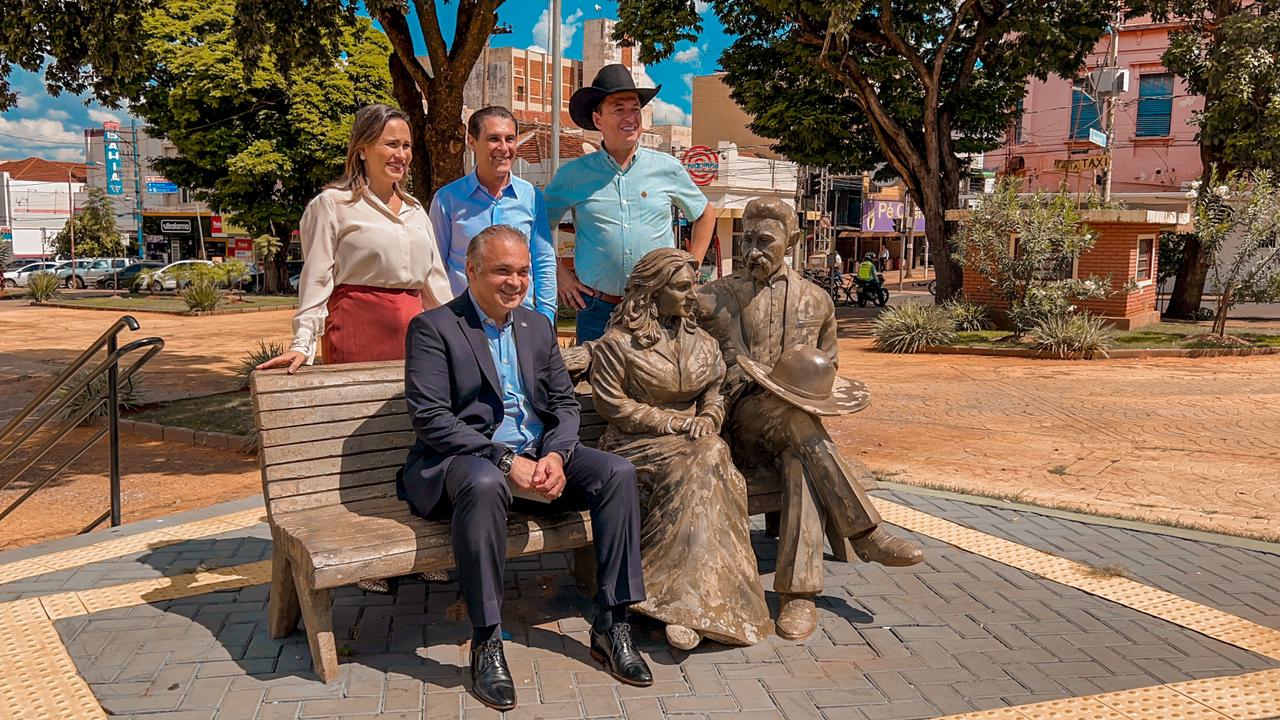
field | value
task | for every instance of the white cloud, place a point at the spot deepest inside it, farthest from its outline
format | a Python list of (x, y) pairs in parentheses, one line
[(688, 79), (664, 113), (39, 137), (58, 115), (28, 102), (688, 55), (569, 27), (701, 6), (101, 116)]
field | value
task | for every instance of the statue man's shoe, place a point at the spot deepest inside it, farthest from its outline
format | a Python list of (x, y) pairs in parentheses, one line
[(683, 638), (491, 680), (615, 649), (797, 617), (879, 546)]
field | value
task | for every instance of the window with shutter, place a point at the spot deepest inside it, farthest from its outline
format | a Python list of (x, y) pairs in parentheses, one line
[(1084, 111), (1155, 104)]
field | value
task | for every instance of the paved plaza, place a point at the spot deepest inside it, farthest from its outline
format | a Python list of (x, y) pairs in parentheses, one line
[(1012, 609)]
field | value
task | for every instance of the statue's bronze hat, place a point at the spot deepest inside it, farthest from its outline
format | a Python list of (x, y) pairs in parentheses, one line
[(806, 378)]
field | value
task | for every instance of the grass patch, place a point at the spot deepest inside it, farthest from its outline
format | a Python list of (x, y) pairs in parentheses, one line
[(1059, 470), (1101, 571), (174, 303), (1158, 336), (225, 412)]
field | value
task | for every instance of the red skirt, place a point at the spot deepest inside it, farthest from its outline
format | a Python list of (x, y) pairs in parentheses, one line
[(367, 323)]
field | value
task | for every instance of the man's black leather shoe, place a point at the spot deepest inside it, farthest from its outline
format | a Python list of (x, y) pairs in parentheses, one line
[(615, 649), (491, 681)]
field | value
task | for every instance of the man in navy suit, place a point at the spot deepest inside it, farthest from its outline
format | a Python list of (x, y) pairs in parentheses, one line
[(493, 407)]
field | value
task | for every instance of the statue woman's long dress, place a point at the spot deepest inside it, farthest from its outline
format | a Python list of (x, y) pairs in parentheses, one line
[(656, 379)]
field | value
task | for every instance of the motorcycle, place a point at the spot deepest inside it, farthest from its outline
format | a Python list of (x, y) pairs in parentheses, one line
[(868, 294)]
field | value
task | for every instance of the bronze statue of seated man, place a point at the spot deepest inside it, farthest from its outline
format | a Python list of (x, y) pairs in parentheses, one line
[(777, 332)]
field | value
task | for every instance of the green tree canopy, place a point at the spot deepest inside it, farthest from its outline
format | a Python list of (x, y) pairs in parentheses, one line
[(913, 83), (253, 142), (95, 229)]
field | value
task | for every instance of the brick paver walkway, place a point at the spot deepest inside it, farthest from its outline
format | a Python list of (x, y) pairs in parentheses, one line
[(958, 633)]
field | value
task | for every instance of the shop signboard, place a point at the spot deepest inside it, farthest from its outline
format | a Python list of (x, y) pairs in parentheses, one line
[(243, 249), (215, 226), (702, 164), (111, 156), (160, 186), (878, 216)]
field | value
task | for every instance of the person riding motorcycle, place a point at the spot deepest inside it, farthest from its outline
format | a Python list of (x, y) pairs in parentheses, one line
[(868, 274)]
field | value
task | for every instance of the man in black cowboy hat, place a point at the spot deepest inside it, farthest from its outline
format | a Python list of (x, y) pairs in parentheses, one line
[(621, 199), (777, 332)]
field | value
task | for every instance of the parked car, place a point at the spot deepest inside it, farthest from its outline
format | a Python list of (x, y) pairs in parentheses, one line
[(126, 277), (166, 278), (17, 264), (74, 276), (101, 268), (14, 278)]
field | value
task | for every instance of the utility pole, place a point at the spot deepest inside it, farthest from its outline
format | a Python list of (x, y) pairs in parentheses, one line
[(556, 90), (71, 222), (137, 189), (909, 235), (1113, 55)]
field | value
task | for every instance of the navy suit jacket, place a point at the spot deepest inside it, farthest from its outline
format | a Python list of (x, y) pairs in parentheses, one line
[(453, 392)]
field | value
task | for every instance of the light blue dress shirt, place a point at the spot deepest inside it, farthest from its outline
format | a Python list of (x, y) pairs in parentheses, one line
[(461, 209), (620, 214), (521, 430)]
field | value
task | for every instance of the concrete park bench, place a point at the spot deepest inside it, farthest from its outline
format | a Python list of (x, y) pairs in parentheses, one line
[(331, 439)]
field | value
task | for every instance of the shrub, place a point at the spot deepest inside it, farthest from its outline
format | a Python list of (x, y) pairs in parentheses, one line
[(96, 392), (252, 359), (909, 328), (967, 316), (201, 295), (42, 286), (1073, 336)]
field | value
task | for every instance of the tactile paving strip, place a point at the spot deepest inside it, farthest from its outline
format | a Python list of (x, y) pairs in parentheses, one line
[(1208, 621), (1253, 696), (108, 549), (39, 678)]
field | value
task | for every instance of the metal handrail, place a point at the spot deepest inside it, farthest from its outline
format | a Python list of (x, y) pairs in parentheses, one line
[(110, 366)]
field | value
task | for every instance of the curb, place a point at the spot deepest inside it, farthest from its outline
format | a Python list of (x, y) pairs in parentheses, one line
[(176, 434), (1120, 354), (182, 313)]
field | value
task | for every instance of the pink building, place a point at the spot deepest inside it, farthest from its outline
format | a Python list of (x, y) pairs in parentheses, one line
[(1154, 151)]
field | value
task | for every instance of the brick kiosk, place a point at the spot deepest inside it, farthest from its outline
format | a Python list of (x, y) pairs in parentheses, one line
[(1127, 247)]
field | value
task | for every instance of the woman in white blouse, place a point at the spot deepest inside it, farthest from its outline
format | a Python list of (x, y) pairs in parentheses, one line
[(371, 262)]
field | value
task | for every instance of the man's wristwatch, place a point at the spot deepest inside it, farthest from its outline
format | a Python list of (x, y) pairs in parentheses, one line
[(506, 461)]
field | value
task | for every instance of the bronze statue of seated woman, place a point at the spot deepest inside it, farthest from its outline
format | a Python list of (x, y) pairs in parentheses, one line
[(656, 380)]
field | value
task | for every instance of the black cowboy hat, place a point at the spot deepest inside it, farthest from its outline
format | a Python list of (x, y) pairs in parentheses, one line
[(611, 79)]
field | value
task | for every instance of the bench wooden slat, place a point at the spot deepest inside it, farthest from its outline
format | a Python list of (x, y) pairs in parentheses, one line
[(268, 382), (306, 501), (333, 465), (324, 431), (283, 419), (322, 483), (330, 395), (337, 447)]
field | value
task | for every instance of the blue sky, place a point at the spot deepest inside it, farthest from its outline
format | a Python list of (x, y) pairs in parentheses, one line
[(49, 127)]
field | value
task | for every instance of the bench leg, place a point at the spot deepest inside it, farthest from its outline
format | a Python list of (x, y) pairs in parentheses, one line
[(282, 605), (772, 523), (584, 570), (317, 620), (841, 548)]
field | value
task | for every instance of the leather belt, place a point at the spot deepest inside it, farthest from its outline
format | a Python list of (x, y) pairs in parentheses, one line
[(611, 299)]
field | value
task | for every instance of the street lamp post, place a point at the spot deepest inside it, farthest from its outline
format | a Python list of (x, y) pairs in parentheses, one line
[(71, 221)]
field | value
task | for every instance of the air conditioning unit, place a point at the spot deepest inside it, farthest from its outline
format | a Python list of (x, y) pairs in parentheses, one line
[(1109, 81)]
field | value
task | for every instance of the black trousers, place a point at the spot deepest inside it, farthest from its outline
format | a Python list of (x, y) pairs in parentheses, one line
[(476, 499)]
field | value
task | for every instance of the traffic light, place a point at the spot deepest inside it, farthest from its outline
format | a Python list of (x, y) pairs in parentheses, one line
[(813, 184)]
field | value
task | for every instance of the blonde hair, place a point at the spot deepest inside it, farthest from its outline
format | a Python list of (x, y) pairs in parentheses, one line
[(365, 130)]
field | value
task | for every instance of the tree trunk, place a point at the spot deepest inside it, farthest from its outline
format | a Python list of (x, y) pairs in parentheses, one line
[(1220, 317), (445, 134), (410, 99), (939, 196), (1188, 283)]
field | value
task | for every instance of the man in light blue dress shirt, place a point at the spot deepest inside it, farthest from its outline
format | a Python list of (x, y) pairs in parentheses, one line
[(621, 200), (489, 196)]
